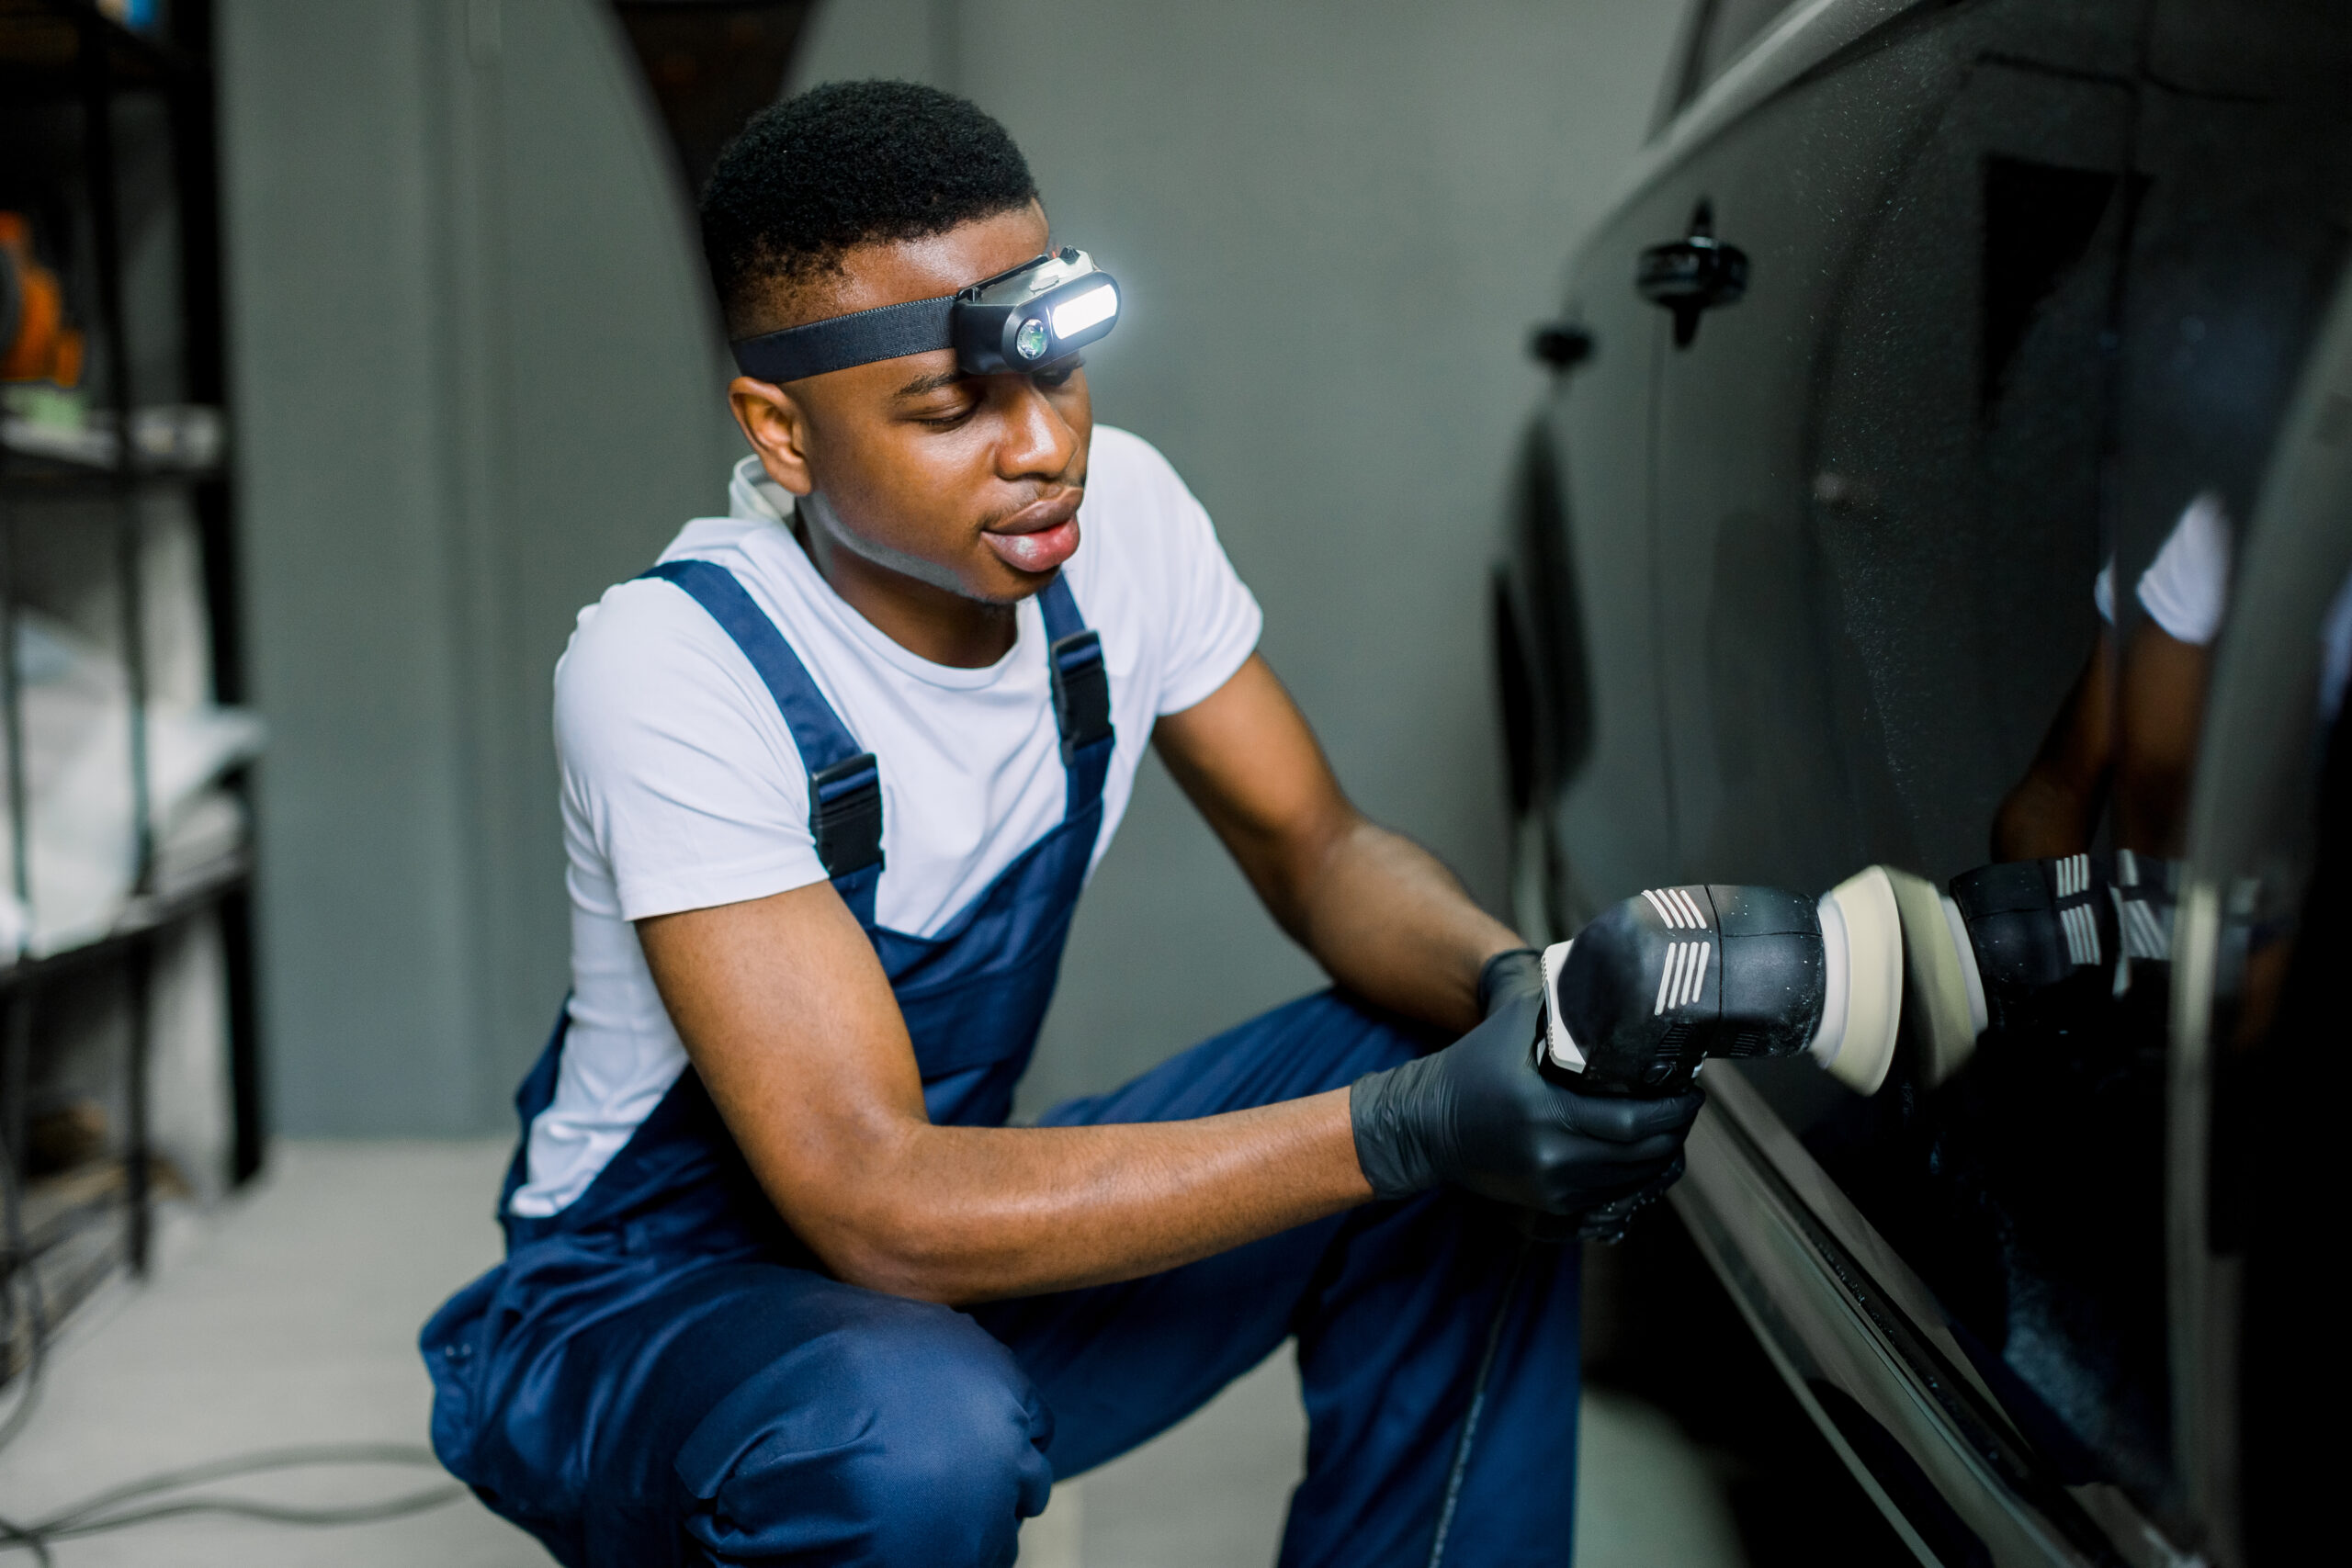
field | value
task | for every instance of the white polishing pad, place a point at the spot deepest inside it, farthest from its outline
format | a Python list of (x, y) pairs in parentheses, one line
[(1862, 937), (1938, 967)]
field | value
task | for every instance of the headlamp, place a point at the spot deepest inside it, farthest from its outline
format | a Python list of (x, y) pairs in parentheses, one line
[(1042, 310)]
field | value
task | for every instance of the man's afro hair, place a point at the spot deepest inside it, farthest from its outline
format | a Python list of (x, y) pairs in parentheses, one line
[(844, 164)]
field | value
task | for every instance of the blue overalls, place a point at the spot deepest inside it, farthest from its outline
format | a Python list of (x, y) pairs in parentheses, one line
[(662, 1373)]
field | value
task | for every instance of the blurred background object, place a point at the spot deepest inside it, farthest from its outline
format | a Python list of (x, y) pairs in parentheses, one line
[(129, 1057), (711, 65), (480, 382), (35, 342)]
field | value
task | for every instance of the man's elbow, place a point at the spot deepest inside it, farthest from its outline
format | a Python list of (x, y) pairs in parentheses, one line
[(893, 1255)]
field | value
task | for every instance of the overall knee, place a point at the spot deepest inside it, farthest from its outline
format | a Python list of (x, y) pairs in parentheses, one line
[(913, 1438), (959, 1468)]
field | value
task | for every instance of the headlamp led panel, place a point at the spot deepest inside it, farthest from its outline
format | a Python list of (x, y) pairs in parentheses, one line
[(1044, 309)]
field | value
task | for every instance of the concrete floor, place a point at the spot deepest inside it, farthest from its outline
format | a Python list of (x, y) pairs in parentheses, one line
[(289, 1316)]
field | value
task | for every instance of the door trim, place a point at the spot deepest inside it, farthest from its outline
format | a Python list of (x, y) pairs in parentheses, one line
[(1832, 1302)]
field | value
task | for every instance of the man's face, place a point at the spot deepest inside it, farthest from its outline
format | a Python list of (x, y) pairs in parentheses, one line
[(970, 484)]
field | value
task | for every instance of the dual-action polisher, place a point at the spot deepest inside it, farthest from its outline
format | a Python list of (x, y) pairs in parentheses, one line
[(1639, 998)]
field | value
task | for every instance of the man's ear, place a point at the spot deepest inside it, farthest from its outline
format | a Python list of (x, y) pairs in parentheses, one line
[(777, 427)]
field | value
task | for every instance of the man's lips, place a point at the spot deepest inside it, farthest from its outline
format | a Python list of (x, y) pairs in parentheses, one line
[(1039, 537)]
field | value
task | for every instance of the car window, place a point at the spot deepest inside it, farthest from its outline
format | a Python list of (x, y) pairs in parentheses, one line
[(1725, 29)]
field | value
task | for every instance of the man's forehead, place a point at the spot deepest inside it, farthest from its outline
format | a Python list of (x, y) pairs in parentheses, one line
[(892, 272)]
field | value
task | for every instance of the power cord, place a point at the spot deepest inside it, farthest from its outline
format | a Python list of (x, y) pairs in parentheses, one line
[(150, 1499), (147, 1500), (15, 1263), (1462, 1447)]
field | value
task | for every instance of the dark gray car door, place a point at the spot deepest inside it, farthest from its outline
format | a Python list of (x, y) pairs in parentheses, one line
[(1877, 473), (1877, 521), (1605, 801)]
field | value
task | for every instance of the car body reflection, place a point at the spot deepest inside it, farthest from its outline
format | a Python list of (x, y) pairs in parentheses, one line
[(1971, 529)]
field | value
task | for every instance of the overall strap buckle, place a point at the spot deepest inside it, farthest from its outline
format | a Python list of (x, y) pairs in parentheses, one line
[(1081, 692), (845, 815)]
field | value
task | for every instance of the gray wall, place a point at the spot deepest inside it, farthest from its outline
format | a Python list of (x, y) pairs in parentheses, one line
[(474, 384), (1334, 221), (475, 381)]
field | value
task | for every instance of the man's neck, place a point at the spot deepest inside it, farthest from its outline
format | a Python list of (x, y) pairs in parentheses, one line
[(928, 621)]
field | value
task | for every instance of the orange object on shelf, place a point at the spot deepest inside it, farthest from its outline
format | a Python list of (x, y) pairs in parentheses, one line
[(35, 342)]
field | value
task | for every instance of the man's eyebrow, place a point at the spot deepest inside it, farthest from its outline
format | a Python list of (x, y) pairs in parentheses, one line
[(933, 383)]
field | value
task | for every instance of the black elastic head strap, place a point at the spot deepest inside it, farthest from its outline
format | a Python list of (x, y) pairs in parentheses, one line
[(838, 343)]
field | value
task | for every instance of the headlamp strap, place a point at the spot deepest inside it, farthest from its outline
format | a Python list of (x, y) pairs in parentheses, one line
[(886, 332)]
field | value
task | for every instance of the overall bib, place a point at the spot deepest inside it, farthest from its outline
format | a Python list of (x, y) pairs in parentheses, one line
[(661, 1373)]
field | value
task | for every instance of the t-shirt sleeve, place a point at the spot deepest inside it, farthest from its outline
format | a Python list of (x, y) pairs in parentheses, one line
[(2186, 590), (1214, 620), (677, 770)]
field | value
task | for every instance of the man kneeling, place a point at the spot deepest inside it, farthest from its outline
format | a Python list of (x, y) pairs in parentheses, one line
[(780, 1284)]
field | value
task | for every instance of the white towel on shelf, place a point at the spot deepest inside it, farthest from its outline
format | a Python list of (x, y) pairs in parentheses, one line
[(82, 850)]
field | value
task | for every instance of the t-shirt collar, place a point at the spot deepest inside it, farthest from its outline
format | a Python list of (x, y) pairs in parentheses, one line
[(753, 497)]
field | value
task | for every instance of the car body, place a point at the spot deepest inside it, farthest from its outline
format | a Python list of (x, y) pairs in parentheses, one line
[(1913, 317)]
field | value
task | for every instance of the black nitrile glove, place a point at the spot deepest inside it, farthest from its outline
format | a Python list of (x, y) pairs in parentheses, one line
[(1510, 976), (1608, 1222), (1478, 1114)]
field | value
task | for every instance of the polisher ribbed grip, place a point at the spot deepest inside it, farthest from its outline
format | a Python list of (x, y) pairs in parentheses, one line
[(2045, 936), (1665, 979)]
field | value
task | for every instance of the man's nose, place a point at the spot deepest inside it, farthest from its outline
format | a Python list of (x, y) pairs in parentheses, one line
[(1038, 442)]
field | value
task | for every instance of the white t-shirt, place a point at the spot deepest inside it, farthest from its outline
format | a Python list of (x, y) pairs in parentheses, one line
[(682, 789), (2186, 590)]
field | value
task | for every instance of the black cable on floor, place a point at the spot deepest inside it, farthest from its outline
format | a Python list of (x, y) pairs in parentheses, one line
[(95, 1513), (106, 1510), (15, 1535), (18, 1258)]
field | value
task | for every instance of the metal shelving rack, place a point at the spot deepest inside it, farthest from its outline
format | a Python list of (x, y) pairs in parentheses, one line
[(70, 54)]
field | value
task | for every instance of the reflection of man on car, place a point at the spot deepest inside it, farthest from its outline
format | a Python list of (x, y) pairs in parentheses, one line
[(2134, 736)]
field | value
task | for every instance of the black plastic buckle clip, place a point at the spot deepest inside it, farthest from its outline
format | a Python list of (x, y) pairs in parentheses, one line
[(1081, 692), (846, 814)]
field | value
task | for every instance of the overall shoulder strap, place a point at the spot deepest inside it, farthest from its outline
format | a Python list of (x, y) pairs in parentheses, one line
[(1081, 696), (844, 779)]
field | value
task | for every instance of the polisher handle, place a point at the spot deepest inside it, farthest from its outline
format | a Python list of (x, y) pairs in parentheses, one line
[(1665, 979)]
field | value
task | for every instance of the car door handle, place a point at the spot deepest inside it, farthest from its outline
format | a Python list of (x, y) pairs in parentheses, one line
[(1693, 275)]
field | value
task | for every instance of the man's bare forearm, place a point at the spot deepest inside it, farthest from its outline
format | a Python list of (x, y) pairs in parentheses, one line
[(1381, 914), (962, 1214), (810, 1064), (1013, 1212), (1388, 921)]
